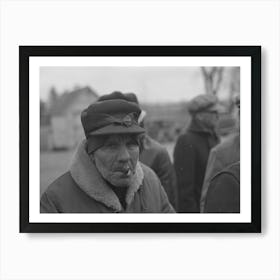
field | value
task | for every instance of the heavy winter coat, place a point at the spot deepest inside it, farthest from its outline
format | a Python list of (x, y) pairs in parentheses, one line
[(83, 190), (190, 158), (157, 158), (221, 156), (223, 195)]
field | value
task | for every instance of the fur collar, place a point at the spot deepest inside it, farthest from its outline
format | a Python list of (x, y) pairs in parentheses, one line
[(88, 178)]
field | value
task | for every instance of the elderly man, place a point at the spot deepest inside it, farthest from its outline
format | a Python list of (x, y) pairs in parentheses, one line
[(106, 175), (192, 150), (153, 154)]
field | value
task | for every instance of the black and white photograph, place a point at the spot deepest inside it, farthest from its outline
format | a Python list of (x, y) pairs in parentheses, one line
[(171, 128), (139, 140), (143, 131)]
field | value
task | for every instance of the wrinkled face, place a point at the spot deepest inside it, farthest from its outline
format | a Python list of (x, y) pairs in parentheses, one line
[(116, 160), (209, 118)]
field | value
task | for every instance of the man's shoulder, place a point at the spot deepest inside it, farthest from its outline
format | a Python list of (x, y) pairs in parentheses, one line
[(151, 183), (232, 171), (150, 180), (228, 150), (227, 143), (59, 185), (148, 172)]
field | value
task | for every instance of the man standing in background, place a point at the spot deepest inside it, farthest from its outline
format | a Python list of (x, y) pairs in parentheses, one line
[(192, 150), (223, 155), (157, 158)]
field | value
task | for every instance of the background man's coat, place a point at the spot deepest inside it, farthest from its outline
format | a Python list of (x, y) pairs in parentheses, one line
[(221, 156), (190, 159), (157, 158), (223, 195)]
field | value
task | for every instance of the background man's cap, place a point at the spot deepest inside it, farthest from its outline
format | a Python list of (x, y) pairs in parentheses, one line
[(111, 116), (203, 102)]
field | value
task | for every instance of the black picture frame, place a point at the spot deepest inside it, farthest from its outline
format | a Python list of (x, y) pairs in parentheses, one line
[(254, 52)]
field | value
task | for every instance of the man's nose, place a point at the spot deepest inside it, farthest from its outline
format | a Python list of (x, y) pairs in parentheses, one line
[(123, 154)]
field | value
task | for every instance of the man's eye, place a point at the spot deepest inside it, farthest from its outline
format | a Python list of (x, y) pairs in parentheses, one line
[(111, 145), (132, 144)]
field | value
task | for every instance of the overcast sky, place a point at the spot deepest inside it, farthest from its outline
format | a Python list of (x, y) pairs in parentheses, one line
[(151, 84)]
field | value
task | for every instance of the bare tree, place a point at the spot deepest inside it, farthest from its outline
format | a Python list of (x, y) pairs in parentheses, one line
[(213, 77), (235, 80)]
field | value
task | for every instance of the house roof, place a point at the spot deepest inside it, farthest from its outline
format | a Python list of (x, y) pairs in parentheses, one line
[(67, 99)]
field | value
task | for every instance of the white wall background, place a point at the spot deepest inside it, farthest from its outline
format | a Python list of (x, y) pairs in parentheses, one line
[(139, 256)]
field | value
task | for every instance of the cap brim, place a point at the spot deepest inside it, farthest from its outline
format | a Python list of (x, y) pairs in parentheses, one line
[(118, 129)]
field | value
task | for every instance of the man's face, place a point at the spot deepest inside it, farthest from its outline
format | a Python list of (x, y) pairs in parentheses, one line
[(209, 118), (116, 160)]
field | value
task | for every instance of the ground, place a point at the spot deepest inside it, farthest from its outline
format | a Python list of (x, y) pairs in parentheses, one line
[(53, 164)]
